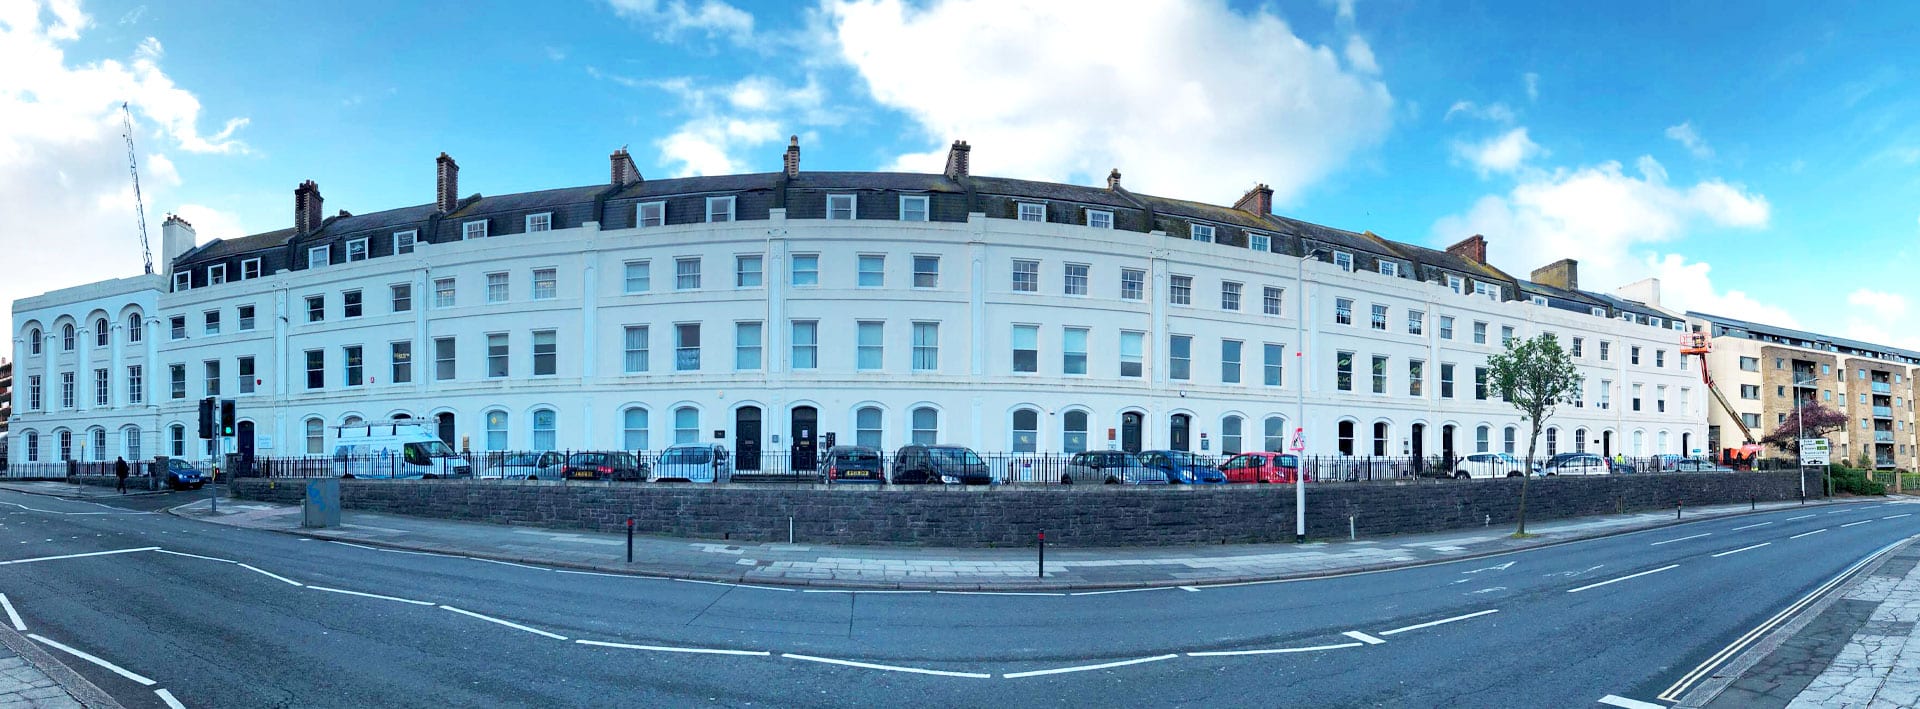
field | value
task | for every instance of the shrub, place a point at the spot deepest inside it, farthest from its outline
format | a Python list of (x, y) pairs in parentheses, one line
[(1850, 480)]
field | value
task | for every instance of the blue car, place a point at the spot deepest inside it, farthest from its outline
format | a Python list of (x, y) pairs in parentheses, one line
[(181, 476), (1183, 468)]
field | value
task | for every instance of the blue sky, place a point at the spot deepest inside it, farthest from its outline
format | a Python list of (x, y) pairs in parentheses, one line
[(1762, 159)]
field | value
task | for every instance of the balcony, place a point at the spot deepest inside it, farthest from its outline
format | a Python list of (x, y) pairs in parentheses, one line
[(1883, 412), (1883, 462), (1882, 388), (1882, 436)]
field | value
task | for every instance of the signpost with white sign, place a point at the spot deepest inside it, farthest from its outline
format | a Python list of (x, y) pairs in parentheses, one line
[(1815, 451)]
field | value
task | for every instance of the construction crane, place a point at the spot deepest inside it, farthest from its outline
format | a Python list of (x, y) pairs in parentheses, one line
[(133, 168), (1697, 343)]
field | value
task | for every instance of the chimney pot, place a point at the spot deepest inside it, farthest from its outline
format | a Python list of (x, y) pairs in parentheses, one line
[(624, 172), (1113, 179), (958, 160), (792, 159), (446, 191), (1258, 200), (1472, 248)]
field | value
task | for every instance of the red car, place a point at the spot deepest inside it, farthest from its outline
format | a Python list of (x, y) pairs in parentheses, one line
[(1262, 467)]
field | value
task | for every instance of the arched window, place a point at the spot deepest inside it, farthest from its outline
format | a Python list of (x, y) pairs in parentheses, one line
[(316, 436), (1639, 443), (1663, 442), (1480, 436), (65, 439), (33, 447), (1553, 442), (97, 439), (633, 429), (1230, 435), (1026, 430), (100, 332), (1346, 437), (66, 337), (1511, 438), (136, 328), (1073, 431), (352, 421), (1579, 440), (33, 341), (926, 426), (545, 436), (130, 442), (866, 427), (686, 425), (1381, 430), (1275, 438), (496, 430), (177, 441)]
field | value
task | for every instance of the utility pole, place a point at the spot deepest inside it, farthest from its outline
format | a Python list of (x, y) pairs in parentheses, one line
[(1300, 398)]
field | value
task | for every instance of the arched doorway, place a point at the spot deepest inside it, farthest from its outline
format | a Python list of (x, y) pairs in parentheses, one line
[(1686, 443), (1446, 446), (806, 430), (1418, 437), (1606, 444), (1177, 428), (1130, 425), (443, 421), (746, 438), (244, 434)]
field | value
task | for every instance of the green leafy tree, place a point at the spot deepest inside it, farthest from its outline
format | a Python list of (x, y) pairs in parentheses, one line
[(1534, 375)]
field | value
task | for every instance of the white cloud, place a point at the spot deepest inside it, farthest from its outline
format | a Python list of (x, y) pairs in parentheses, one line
[(1360, 56), (672, 18), (1217, 101), (63, 165), (1879, 317), (1685, 134), (1496, 112), (1533, 85), (730, 120), (1686, 285), (1502, 153), (208, 224)]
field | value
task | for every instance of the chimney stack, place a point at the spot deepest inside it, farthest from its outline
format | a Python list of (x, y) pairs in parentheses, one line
[(1113, 179), (1563, 274), (176, 239), (793, 157), (1472, 248), (446, 187), (624, 172), (957, 160), (1258, 200), (306, 207)]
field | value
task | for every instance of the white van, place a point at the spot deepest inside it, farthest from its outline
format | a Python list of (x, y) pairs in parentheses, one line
[(394, 449)]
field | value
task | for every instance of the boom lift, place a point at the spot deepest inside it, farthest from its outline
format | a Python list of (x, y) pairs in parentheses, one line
[(1698, 343), (133, 166)]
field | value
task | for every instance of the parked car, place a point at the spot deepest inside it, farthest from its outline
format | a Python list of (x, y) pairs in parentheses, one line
[(1699, 465), (183, 476), (854, 464), (936, 464), (1665, 462), (1576, 464), (1183, 468), (527, 466), (603, 466), (395, 449), (1111, 468), (1263, 467), (1488, 465), (694, 463)]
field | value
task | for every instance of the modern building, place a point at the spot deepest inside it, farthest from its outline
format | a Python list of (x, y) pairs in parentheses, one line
[(763, 310), (1765, 372)]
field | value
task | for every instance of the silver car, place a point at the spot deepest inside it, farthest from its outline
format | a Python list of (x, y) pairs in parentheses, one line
[(526, 466), (1110, 467), (694, 462)]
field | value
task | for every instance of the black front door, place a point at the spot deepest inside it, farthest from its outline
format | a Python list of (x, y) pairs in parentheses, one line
[(1419, 447), (746, 438), (244, 433), (1130, 431), (1606, 445), (806, 428), (1446, 446), (444, 422), (1177, 431)]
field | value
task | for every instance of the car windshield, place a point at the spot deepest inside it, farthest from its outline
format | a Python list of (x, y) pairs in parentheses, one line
[(523, 459), (1507, 458), (859, 458), (955, 456), (686, 455), (178, 464), (1185, 458), (437, 449), (1114, 460)]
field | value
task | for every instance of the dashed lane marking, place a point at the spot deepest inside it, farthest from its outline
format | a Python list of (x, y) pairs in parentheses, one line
[(167, 697), (1898, 516), (1682, 539), (1623, 578), (1790, 519), (1807, 534), (1442, 621), (116, 669), (1272, 651), (1850, 524), (1741, 549), (508, 623), (888, 668), (661, 648), (1086, 668), (1751, 526), (13, 616), (1363, 637)]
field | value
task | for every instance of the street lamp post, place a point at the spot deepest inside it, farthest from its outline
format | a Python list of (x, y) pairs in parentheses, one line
[(1300, 399), (1800, 421)]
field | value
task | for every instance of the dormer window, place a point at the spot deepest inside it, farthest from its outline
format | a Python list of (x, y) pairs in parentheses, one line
[(1099, 219), (719, 209), (1491, 291), (1456, 284), (1540, 300), (182, 280), (652, 214), (474, 230), (1343, 260), (1203, 232), (1031, 212), (841, 206), (319, 256), (216, 274), (403, 241), (1260, 242), (913, 208), (1389, 268), (356, 250), (250, 269), (1598, 312), (540, 222)]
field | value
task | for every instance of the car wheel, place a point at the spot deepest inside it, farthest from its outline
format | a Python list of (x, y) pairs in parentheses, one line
[(533, 477), (1066, 480), (1513, 473), (348, 476), (429, 476), (1461, 475), (1112, 481)]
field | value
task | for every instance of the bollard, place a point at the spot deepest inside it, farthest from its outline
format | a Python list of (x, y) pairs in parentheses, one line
[(1352, 528), (629, 540), (1489, 521), (1753, 503), (1043, 555), (1676, 509), (789, 530)]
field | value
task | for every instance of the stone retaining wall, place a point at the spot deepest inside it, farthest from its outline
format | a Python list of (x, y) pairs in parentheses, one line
[(1086, 515)]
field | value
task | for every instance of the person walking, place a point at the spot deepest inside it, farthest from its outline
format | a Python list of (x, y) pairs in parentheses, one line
[(120, 471)]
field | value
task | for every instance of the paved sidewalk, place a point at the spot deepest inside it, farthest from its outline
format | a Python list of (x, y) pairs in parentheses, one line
[(135, 486), (929, 568), (32, 678)]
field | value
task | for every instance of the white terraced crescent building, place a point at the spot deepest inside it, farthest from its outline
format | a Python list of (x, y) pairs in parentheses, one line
[(765, 309)]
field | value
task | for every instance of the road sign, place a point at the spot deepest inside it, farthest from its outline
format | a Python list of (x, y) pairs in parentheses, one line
[(1815, 451), (1299, 440)]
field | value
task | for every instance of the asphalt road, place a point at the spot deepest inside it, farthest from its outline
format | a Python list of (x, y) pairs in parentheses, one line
[(212, 615)]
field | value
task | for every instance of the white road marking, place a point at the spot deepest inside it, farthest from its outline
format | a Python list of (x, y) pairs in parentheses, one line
[(1741, 549), (509, 563), (269, 574), (1682, 539), (1619, 701), (1119, 590), (1442, 621), (1751, 526), (1190, 589), (1850, 524), (370, 595), (1898, 516), (197, 556), (1807, 534), (167, 697), (12, 615), (1839, 512), (1486, 590), (998, 593), (1363, 637), (695, 650), (1273, 651), (735, 585), (1085, 668), (1496, 567), (1790, 519), (889, 668), (508, 623), (859, 590), (1623, 578), (76, 556), (602, 573), (122, 671)]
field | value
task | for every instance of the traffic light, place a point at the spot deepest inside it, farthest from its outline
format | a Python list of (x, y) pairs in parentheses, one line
[(226, 417), (206, 418)]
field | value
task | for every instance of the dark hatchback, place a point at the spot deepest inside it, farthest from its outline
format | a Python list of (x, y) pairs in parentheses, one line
[(854, 464), (933, 465), (603, 466), (1183, 468)]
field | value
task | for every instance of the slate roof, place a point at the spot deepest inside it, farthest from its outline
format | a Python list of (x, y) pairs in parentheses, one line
[(1764, 329), (1051, 190)]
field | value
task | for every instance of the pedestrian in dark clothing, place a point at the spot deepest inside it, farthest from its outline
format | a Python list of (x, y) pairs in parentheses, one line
[(120, 471)]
